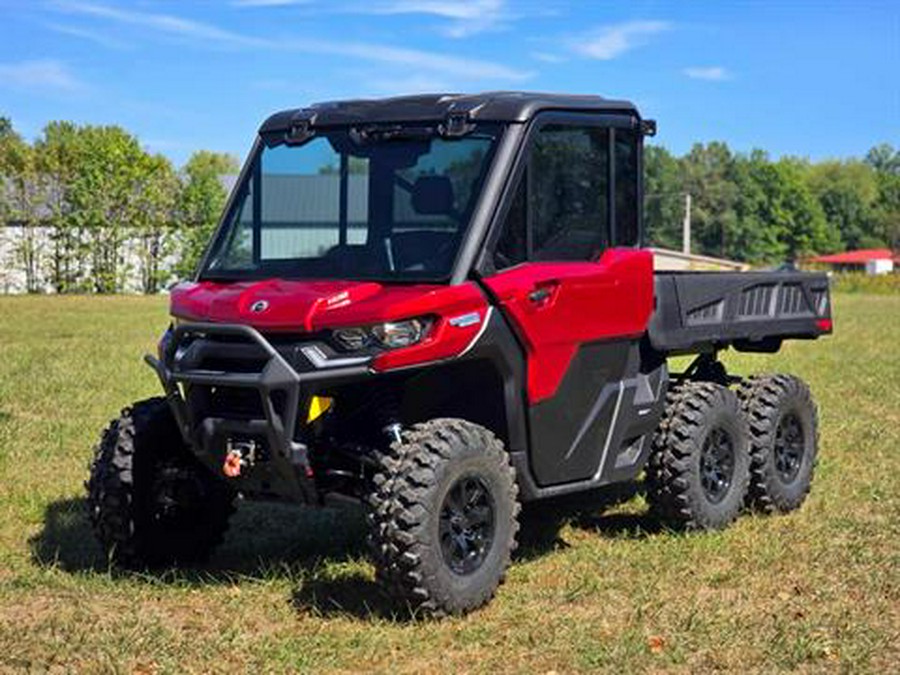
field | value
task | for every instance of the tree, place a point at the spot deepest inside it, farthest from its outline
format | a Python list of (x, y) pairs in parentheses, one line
[(56, 160), (709, 176), (847, 191), (795, 211), (103, 198), (884, 159), (200, 204), (663, 198), (756, 235), (23, 191), (155, 220)]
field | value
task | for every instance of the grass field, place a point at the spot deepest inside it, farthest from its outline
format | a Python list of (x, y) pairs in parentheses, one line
[(818, 590)]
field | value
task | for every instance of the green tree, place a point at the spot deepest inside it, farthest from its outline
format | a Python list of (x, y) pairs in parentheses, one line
[(154, 222), (24, 192), (57, 161), (884, 158), (200, 204), (103, 198), (663, 198), (797, 214), (709, 176), (757, 238), (847, 191), (885, 161)]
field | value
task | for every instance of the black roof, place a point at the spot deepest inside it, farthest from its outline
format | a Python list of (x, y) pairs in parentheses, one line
[(495, 106)]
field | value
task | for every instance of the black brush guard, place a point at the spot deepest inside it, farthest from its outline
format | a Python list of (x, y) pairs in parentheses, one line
[(286, 472)]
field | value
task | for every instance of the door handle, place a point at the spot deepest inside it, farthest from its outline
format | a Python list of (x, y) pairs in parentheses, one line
[(539, 295)]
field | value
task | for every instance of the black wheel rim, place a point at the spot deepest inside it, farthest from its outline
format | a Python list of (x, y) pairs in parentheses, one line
[(466, 525), (717, 465), (790, 444), (176, 495)]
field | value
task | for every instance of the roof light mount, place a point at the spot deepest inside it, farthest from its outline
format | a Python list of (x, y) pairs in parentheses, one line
[(457, 123)]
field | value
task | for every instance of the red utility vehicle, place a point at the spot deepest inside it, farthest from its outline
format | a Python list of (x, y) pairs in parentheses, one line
[(439, 305)]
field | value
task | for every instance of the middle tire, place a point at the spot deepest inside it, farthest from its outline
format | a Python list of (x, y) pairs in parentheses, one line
[(699, 467), (443, 515)]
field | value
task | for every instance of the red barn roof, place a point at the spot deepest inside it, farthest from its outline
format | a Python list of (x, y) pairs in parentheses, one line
[(860, 257)]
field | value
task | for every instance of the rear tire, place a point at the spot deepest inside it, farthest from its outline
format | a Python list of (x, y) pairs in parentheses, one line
[(151, 502), (783, 441), (443, 517), (699, 466)]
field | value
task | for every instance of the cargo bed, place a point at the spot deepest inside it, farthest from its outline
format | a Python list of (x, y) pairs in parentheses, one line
[(751, 311)]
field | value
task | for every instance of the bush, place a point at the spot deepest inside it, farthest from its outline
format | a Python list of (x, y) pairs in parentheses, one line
[(858, 282)]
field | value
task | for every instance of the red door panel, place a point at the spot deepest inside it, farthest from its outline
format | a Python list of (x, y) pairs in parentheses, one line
[(557, 306)]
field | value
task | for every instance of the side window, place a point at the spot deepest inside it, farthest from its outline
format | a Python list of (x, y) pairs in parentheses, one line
[(511, 246), (238, 250), (626, 188), (568, 188)]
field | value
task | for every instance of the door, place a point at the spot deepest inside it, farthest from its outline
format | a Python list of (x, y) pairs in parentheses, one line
[(573, 286)]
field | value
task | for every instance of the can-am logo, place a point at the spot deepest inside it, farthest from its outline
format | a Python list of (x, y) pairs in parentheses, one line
[(259, 306)]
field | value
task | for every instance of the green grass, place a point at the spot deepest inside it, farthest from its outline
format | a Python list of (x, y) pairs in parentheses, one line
[(291, 590), (858, 282)]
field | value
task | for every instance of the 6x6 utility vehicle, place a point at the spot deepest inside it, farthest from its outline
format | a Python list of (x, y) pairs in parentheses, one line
[(439, 306)]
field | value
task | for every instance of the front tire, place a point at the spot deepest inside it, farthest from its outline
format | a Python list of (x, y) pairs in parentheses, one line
[(150, 501), (699, 466), (443, 517), (783, 440)]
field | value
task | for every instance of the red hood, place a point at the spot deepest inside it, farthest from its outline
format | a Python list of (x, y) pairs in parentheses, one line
[(312, 305)]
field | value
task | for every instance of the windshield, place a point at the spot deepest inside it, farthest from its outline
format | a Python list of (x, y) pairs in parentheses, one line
[(376, 204)]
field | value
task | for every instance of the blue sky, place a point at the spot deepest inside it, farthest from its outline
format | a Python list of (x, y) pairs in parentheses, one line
[(817, 79)]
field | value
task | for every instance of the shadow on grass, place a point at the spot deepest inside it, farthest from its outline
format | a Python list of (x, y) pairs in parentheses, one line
[(263, 540), (308, 546), (353, 595), (304, 546), (542, 522)]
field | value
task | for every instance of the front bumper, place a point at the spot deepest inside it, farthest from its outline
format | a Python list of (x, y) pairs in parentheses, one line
[(283, 388)]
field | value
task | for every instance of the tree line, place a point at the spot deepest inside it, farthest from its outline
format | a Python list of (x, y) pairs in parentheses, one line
[(80, 196), (751, 208)]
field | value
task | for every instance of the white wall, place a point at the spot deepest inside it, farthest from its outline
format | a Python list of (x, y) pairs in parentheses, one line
[(12, 277), (879, 266)]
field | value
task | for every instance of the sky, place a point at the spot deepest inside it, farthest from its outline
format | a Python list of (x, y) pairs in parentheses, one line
[(816, 79)]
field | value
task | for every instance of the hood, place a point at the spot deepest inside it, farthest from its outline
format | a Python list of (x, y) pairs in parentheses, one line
[(306, 306)]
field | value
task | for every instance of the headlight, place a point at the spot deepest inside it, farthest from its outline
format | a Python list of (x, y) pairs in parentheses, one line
[(353, 339), (391, 335)]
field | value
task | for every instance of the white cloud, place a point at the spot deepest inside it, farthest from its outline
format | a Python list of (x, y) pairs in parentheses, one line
[(165, 23), (414, 59), (414, 84), (467, 17), (213, 35), (548, 57), (608, 42), (44, 74), (712, 73), (89, 35)]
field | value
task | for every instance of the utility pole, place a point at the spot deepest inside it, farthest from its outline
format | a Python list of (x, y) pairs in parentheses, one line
[(686, 225)]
